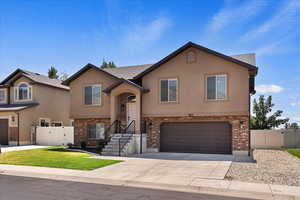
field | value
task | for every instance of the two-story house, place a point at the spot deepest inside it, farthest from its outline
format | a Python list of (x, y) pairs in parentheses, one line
[(30, 99), (193, 100)]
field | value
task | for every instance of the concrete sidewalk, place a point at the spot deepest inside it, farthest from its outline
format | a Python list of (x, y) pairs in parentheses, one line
[(224, 187), (21, 148)]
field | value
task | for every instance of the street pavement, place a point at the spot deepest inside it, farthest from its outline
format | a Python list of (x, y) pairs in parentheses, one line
[(25, 188)]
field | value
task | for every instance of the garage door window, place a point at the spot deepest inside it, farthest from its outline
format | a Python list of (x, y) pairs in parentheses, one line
[(217, 87), (168, 90)]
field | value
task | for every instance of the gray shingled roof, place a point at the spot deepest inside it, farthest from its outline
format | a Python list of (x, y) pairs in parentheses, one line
[(35, 77), (247, 58), (128, 72), (39, 78)]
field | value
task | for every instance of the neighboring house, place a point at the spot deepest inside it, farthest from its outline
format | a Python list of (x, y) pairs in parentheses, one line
[(193, 100), (29, 99)]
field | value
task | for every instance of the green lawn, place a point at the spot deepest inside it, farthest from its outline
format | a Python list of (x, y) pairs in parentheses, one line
[(295, 152), (56, 157)]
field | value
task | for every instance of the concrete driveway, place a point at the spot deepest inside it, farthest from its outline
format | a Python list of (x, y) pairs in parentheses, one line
[(173, 168)]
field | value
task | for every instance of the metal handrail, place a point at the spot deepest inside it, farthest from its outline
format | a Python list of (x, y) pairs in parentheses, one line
[(116, 122), (131, 123), (130, 135)]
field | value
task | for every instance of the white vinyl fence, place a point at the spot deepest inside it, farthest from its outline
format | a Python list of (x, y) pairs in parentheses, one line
[(54, 136), (275, 139)]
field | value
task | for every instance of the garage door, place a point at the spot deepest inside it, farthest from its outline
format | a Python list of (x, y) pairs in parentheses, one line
[(199, 137), (3, 131)]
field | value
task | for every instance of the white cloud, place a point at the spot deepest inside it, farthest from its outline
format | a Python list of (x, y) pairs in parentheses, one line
[(295, 103), (283, 21), (268, 88), (232, 13), (144, 34), (270, 48)]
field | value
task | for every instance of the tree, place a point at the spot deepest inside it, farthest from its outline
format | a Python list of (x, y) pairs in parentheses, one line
[(64, 76), (293, 125), (263, 119), (108, 65), (52, 73)]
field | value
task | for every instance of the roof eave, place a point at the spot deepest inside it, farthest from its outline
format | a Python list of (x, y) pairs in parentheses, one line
[(186, 46), (121, 81), (84, 69)]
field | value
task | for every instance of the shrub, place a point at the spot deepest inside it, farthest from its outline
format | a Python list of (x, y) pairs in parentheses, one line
[(83, 144), (100, 145), (70, 145)]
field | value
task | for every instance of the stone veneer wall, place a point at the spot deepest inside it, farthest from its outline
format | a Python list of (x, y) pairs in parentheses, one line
[(80, 130), (240, 129)]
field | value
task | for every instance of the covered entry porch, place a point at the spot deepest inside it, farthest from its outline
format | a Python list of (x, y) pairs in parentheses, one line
[(125, 104), (126, 133)]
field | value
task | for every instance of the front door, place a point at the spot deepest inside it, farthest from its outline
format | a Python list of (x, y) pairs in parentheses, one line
[(4, 131), (131, 112)]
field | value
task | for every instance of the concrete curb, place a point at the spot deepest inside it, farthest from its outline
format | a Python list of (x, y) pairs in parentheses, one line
[(224, 188)]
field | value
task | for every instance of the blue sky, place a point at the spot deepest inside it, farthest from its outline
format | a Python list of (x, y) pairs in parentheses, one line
[(67, 34)]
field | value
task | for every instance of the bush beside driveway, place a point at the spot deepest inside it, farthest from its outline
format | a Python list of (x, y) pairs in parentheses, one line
[(270, 166)]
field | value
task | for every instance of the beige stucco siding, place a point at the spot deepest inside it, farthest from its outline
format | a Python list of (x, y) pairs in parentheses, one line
[(78, 109), (10, 116), (16, 83), (192, 88), (53, 104)]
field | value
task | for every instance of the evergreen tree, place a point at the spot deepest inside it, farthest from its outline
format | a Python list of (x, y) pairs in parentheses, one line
[(52, 73), (263, 119), (64, 76), (108, 65)]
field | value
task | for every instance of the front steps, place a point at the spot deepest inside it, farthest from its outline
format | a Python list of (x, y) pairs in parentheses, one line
[(112, 148)]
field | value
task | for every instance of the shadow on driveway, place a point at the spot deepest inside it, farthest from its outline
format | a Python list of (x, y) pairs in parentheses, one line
[(185, 156)]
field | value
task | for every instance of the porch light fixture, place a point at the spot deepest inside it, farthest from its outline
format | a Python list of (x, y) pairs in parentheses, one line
[(242, 123)]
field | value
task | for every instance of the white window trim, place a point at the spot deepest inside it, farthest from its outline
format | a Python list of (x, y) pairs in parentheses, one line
[(5, 96), (46, 119), (93, 104), (217, 75), (168, 79), (16, 93)]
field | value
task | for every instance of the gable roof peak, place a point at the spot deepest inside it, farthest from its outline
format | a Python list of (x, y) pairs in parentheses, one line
[(34, 77), (189, 44)]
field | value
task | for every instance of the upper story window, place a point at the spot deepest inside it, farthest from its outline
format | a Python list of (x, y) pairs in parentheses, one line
[(216, 87), (23, 92), (168, 90), (2, 95), (191, 57), (92, 95)]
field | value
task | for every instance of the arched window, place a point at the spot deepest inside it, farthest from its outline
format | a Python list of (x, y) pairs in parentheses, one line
[(191, 57), (23, 92)]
